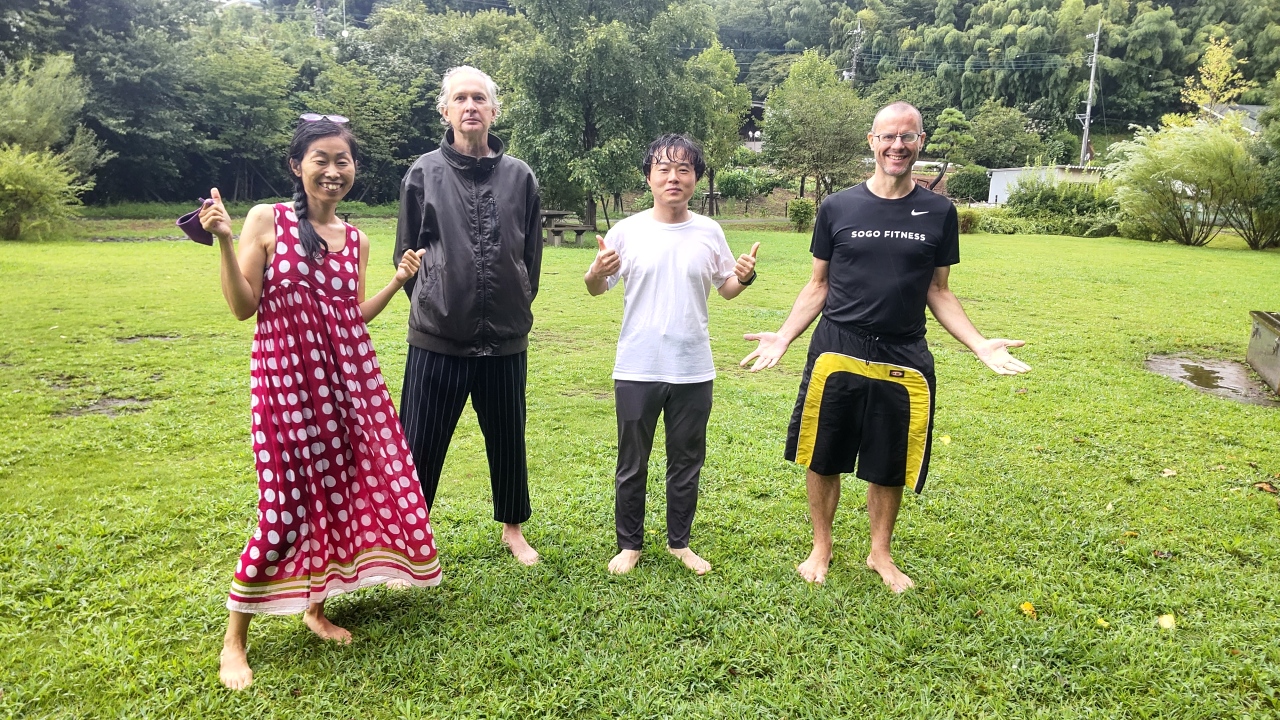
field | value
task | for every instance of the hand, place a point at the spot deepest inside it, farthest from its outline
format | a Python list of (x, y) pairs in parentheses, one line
[(409, 264), (607, 262), (995, 353), (770, 350), (214, 217), (746, 265)]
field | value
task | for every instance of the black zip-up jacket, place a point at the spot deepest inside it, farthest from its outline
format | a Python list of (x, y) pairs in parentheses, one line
[(480, 221)]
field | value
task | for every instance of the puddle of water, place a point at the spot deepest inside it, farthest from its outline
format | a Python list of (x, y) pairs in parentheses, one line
[(1223, 378)]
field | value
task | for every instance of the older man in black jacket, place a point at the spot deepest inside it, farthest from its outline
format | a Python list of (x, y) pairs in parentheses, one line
[(475, 212)]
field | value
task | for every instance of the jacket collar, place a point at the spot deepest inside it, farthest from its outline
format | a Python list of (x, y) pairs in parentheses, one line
[(466, 162)]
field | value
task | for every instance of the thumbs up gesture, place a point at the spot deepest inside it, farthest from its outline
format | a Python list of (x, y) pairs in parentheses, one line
[(745, 268), (607, 262), (214, 217), (409, 264)]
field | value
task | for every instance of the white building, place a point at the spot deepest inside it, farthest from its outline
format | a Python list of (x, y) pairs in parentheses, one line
[(1003, 180)]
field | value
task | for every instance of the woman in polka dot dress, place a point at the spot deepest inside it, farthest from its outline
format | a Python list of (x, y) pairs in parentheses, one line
[(339, 505)]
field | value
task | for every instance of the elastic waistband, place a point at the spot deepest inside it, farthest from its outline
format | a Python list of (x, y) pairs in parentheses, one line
[(872, 337)]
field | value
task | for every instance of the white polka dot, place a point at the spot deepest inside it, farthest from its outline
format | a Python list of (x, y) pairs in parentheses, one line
[(271, 516), (337, 283), (254, 553), (286, 518), (351, 284), (284, 266), (270, 494), (251, 571), (335, 498), (264, 456), (370, 536), (302, 268)]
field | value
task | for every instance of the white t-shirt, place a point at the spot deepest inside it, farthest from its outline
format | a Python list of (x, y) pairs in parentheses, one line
[(667, 273)]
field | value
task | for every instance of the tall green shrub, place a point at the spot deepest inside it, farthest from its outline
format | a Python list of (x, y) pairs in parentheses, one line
[(1175, 180), (969, 184), (801, 212), (37, 190)]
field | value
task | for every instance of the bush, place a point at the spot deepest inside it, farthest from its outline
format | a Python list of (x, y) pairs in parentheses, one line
[(969, 219), (801, 212), (1176, 181), (643, 201), (969, 184), (37, 191), (1003, 222), (1041, 197), (746, 184)]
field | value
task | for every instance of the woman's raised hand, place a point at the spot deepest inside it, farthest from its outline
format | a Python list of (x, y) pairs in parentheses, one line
[(409, 264), (214, 217)]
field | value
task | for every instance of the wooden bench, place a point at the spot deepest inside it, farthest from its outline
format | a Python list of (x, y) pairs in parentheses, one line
[(557, 233)]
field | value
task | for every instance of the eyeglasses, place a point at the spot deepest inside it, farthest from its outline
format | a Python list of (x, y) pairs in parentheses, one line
[(313, 117), (888, 138)]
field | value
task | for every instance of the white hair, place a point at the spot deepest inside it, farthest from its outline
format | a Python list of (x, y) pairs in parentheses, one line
[(490, 88)]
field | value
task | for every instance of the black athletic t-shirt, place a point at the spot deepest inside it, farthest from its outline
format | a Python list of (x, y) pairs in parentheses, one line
[(883, 254)]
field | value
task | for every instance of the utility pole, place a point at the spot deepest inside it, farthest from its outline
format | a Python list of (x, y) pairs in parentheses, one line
[(319, 18), (1088, 108), (852, 75)]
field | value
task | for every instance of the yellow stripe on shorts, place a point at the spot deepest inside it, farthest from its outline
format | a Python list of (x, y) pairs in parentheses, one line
[(917, 393)]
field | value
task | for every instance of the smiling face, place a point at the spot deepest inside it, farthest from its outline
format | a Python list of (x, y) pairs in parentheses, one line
[(895, 158), (672, 180), (327, 169), (468, 108)]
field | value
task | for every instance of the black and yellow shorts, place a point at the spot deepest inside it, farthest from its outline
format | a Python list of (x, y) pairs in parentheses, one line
[(865, 402)]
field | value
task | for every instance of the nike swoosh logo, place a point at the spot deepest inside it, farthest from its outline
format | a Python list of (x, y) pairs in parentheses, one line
[(919, 212)]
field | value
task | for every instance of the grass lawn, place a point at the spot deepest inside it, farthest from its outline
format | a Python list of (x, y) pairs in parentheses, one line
[(119, 533)]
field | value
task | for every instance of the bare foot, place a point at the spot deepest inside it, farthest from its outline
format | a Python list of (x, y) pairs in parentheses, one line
[(624, 562), (514, 539), (691, 560), (398, 585), (889, 572), (814, 569), (319, 624), (234, 671)]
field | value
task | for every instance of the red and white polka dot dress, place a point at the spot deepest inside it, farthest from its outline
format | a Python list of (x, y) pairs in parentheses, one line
[(339, 505)]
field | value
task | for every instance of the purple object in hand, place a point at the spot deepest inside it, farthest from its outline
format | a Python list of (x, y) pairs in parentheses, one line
[(190, 224)]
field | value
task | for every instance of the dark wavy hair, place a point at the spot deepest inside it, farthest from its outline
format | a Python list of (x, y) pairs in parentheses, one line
[(680, 148), (306, 134)]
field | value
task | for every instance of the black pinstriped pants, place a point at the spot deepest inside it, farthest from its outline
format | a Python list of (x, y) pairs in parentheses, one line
[(436, 388)]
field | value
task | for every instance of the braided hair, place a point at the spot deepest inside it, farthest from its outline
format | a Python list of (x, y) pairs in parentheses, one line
[(306, 134)]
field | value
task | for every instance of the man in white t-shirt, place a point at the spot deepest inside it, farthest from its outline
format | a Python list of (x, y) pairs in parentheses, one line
[(668, 259)]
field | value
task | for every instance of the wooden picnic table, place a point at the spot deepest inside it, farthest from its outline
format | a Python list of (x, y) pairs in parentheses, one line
[(555, 224)]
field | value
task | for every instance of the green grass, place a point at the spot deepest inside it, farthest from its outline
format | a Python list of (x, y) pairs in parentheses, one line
[(118, 535)]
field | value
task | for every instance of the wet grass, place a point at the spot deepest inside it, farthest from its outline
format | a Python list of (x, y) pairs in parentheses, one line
[(1101, 494)]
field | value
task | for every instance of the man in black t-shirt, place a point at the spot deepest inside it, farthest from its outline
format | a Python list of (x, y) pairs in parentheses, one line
[(882, 251)]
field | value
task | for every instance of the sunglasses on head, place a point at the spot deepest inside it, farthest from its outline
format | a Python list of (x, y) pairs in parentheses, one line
[(313, 117)]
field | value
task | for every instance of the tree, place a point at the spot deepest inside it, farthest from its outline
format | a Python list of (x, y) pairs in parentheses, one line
[(377, 111), (1176, 180), (1252, 187), (1001, 138), (595, 73), (608, 171), (46, 159), (812, 124), (1218, 80), (949, 140), (718, 107), (243, 95)]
